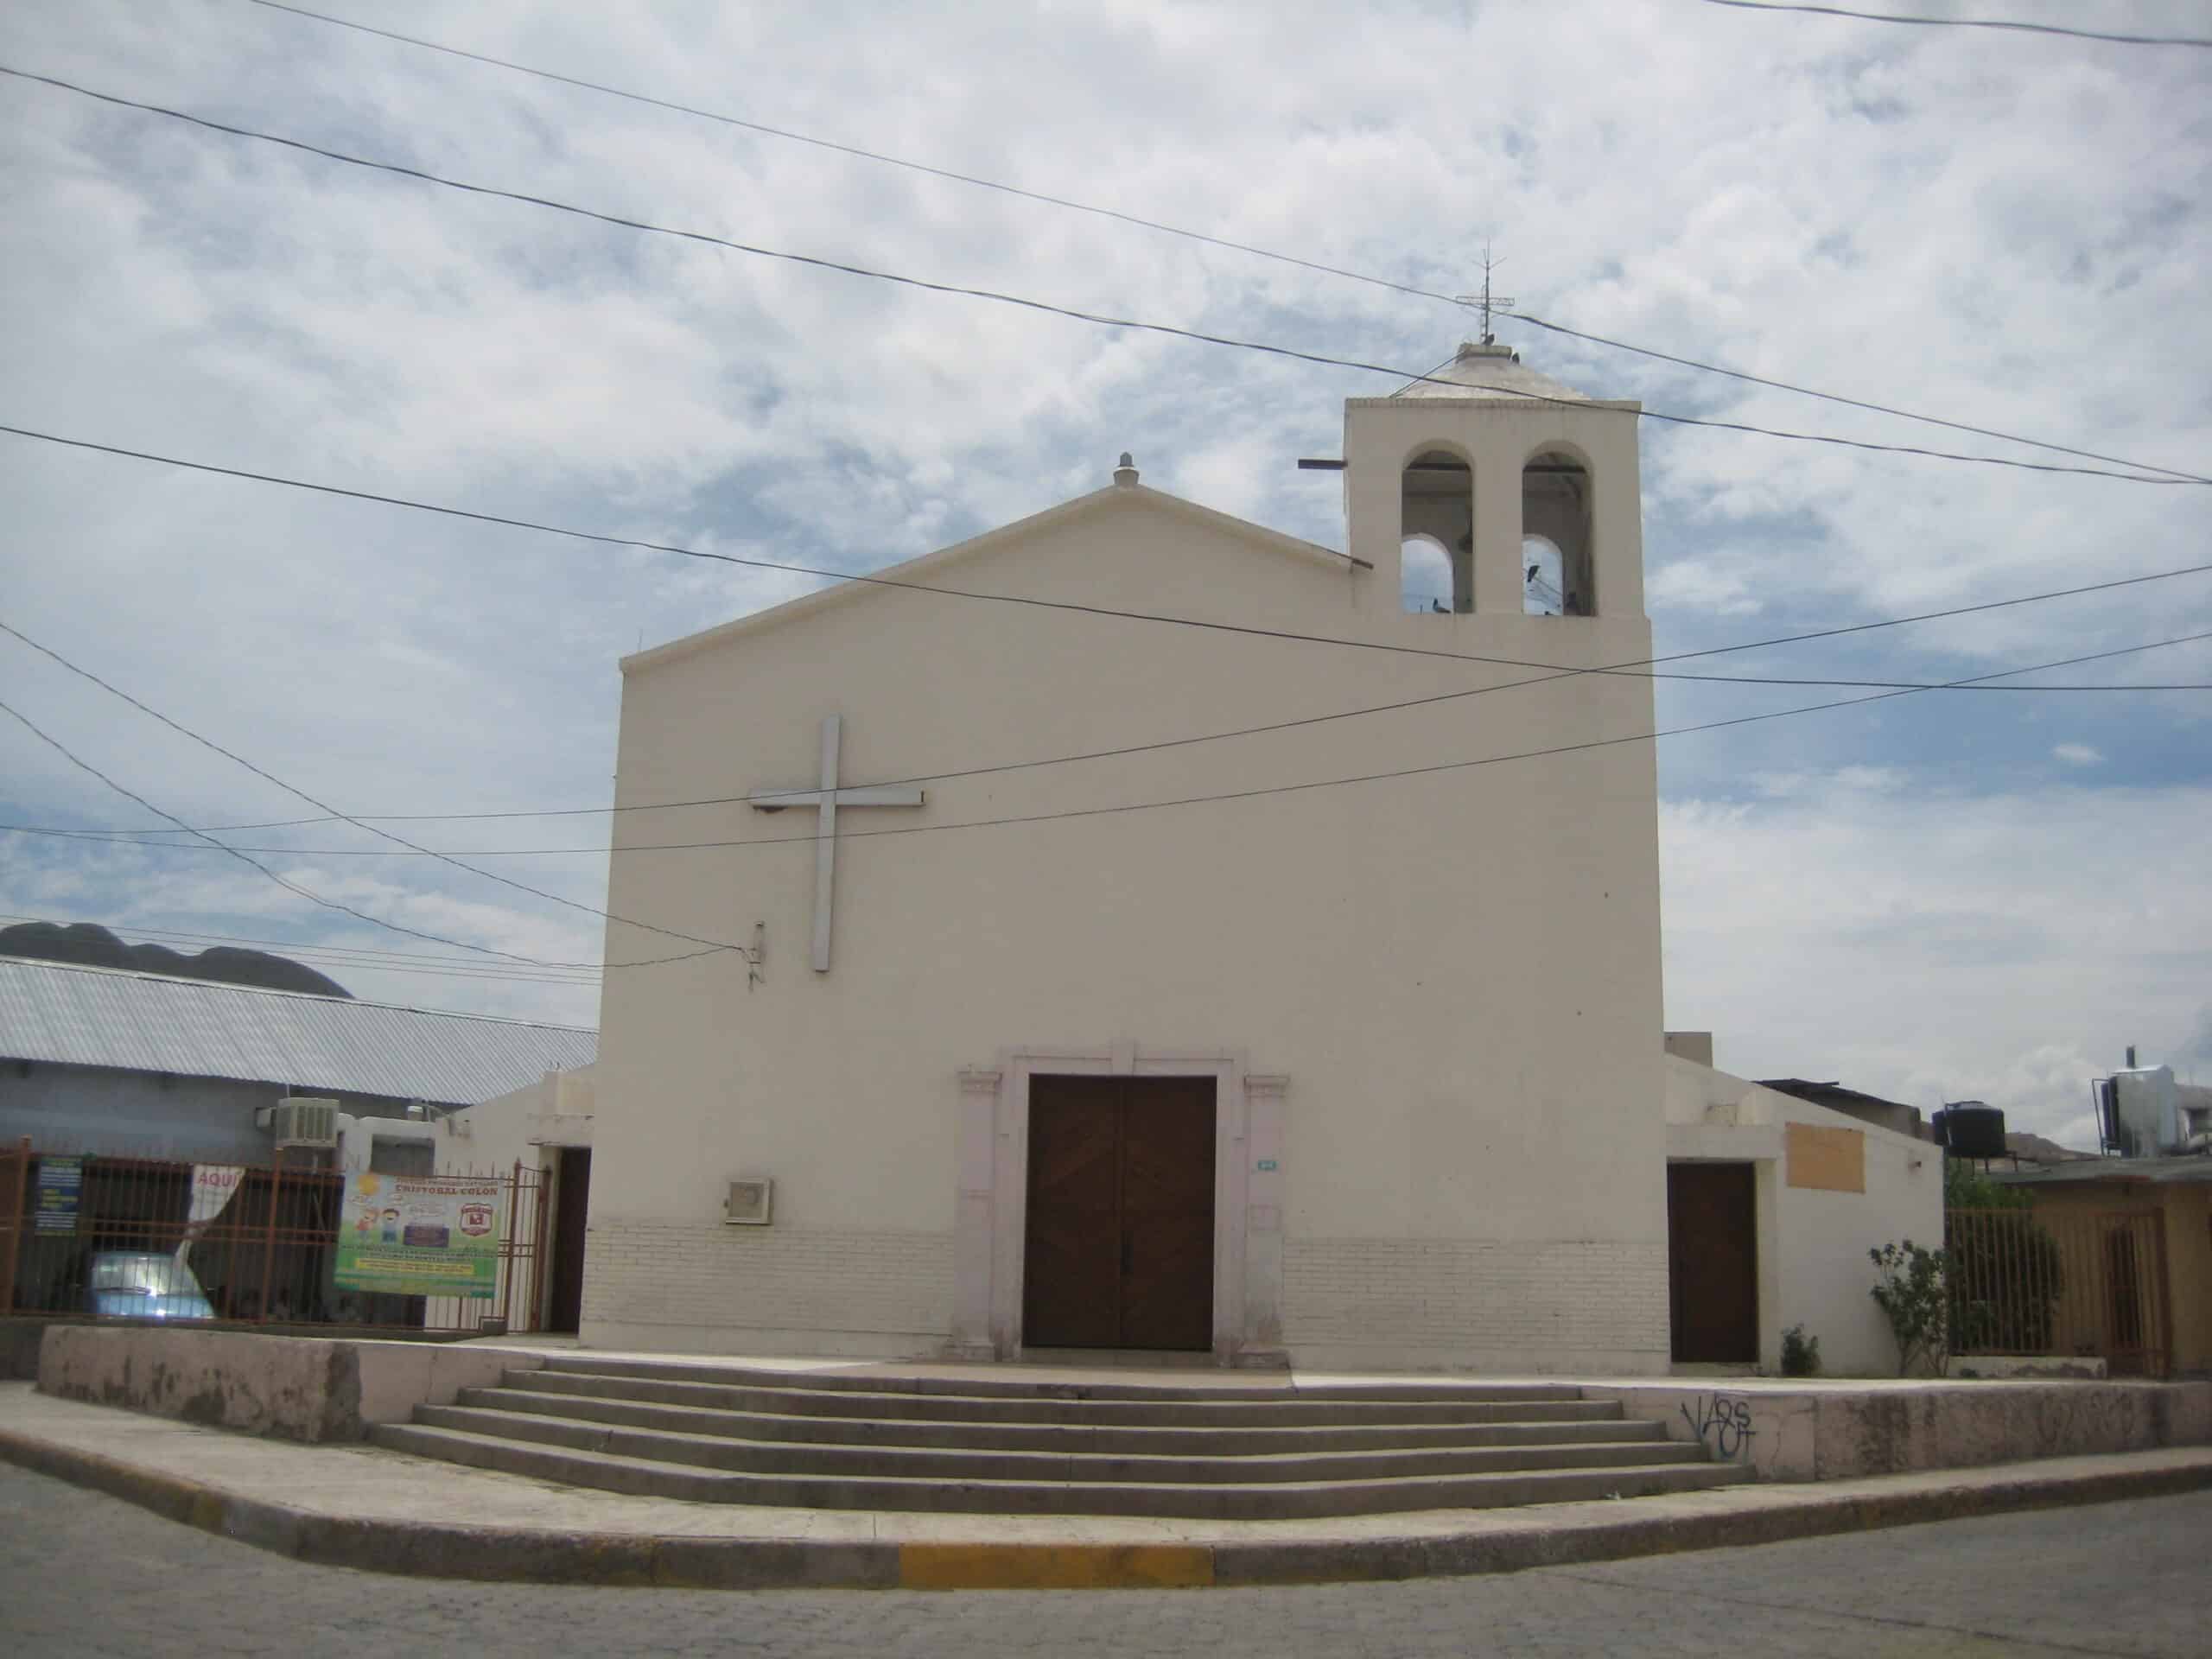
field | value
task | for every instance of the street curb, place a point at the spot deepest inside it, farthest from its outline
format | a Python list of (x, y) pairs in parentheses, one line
[(1809, 1514), (430, 1549)]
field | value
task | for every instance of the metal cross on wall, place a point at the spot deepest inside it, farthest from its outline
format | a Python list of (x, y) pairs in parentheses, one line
[(826, 800)]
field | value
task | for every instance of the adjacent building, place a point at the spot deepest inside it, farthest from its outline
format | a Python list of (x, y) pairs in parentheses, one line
[(109, 1061), (122, 1092)]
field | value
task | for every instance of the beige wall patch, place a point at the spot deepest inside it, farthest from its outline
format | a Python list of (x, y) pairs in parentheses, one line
[(1832, 1160)]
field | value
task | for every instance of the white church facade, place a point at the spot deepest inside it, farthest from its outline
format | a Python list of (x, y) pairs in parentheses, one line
[(1117, 984)]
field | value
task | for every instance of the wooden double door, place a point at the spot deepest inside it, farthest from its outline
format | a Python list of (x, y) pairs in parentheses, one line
[(1120, 1231)]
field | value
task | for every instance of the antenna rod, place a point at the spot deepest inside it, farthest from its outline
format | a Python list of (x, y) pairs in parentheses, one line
[(1486, 300)]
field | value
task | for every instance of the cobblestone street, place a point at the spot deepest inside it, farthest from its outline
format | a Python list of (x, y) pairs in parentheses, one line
[(84, 1574)]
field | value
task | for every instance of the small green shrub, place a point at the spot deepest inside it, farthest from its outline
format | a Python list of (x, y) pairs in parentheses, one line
[(1911, 1294), (1800, 1354), (1966, 1187)]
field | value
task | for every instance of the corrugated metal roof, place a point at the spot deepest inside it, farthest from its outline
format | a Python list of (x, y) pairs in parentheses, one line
[(74, 1015)]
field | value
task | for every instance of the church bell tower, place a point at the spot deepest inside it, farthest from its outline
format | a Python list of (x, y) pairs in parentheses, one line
[(1488, 490)]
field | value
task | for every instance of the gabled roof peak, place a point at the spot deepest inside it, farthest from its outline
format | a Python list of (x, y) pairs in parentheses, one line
[(1125, 494)]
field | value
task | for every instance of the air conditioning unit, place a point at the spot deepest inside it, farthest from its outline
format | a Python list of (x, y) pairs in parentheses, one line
[(304, 1120), (749, 1202)]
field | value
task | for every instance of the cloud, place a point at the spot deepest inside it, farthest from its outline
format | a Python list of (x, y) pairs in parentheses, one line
[(1928, 944), (1690, 584), (1893, 218)]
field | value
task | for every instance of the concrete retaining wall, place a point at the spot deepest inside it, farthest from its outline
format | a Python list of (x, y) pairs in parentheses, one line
[(19, 1340), (2046, 1366), (293, 1388), (1842, 1431)]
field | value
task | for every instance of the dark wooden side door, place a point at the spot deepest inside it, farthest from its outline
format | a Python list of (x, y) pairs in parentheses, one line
[(571, 1215), (1119, 1245), (1712, 1279)]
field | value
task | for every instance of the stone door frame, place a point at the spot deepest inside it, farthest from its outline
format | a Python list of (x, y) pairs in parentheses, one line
[(991, 1221)]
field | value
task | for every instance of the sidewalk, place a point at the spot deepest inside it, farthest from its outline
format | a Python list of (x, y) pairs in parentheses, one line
[(355, 1506)]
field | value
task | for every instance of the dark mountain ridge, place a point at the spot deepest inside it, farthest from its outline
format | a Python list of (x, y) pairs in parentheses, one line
[(91, 945)]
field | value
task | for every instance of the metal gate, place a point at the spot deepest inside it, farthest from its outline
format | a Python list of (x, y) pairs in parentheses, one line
[(267, 1256), (2061, 1283)]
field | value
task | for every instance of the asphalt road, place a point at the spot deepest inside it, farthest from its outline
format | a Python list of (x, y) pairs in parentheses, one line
[(84, 1575)]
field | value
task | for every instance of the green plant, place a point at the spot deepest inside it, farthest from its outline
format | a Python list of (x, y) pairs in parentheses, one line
[(1800, 1354), (1966, 1187), (1912, 1295)]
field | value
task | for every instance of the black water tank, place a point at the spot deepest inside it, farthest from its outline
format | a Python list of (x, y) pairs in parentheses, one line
[(1969, 1129)]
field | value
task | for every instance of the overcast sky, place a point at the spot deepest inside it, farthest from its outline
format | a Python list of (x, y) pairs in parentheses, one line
[(1951, 894)]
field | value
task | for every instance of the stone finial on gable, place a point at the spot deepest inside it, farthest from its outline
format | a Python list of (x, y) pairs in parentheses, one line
[(1126, 472)]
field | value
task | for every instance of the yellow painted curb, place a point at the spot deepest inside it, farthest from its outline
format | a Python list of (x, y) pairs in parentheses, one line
[(1055, 1567)]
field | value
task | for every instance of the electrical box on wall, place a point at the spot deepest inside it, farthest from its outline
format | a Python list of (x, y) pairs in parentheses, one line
[(749, 1202)]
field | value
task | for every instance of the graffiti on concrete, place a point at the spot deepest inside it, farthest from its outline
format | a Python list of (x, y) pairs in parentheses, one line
[(1723, 1424)]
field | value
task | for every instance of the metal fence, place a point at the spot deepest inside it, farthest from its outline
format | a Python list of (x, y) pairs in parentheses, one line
[(267, 1256), (2073, 1283)]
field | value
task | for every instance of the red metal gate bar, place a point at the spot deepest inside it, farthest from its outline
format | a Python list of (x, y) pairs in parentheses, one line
[(269, 1234), (514, 1219), (538, 1244), (19, 1180)]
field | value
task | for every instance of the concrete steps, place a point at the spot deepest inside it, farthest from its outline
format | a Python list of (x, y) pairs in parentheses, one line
[(1168, 1441), (1191, 1409), (1224, 1451)]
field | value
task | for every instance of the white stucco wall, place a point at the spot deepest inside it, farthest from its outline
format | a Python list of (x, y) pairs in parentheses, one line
[(1447, 983), (526, 1126), (1812, 1244), (491, 1136)]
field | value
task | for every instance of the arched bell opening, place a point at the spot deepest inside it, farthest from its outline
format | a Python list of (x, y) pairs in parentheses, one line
[(1559, 571), (1424, 576), (1436, 508)]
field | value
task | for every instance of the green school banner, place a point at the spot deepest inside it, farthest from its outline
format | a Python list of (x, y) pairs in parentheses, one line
[(420, 1236)]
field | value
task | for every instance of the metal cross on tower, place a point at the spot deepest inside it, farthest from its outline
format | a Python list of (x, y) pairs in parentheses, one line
[(1488, 301)]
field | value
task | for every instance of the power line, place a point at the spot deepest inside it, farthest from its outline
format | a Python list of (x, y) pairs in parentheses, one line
[(284, 882), (324, 806), (1143, 223), (1459, 765), (332, 966), (1276, 789), (1098, 319), (1953, 22), (340, 958), (1073, 607), (129, 837), (369, 955), (1126, 750), (1534, 322)]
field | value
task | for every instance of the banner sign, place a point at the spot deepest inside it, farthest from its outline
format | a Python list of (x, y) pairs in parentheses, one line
[(60, 1183), (212, 1185), (420, 1236)]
